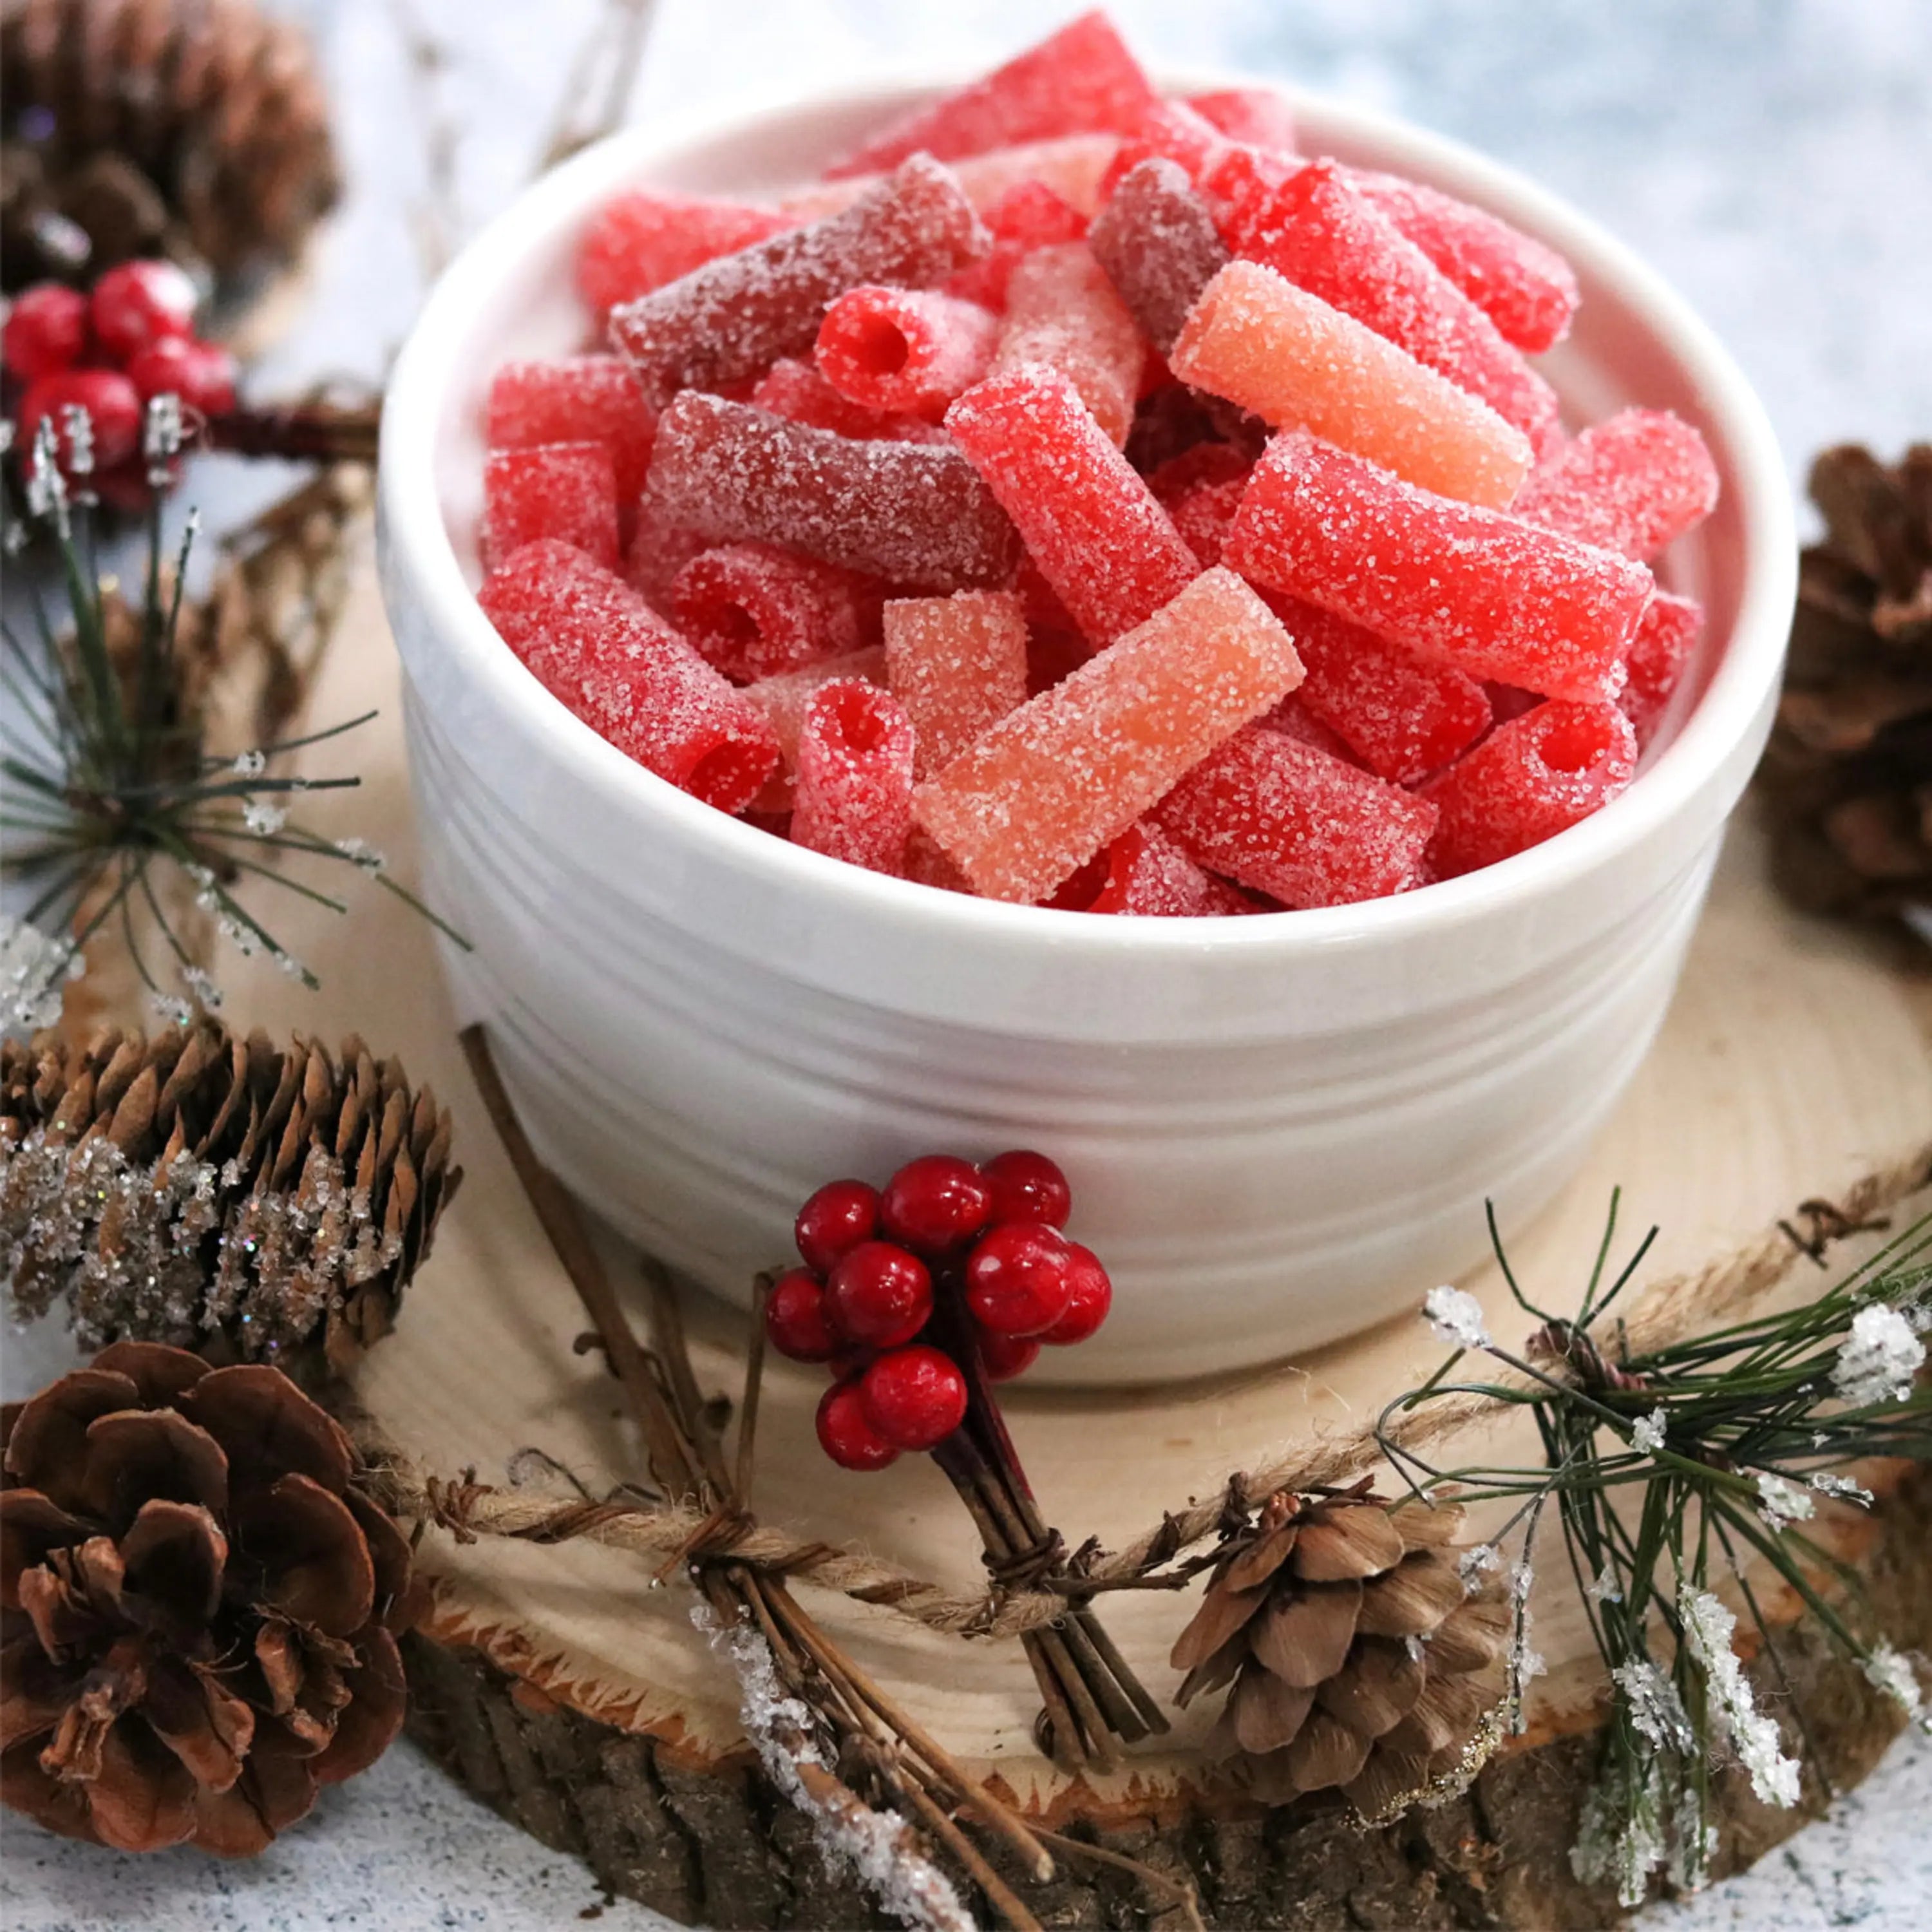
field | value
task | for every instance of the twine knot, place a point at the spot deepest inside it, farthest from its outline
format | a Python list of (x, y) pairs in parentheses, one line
[(1561, 1341)]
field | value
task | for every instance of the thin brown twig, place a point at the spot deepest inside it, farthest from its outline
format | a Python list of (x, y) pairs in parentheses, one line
[(1177, 1890), (613, 52), (754, 1381)]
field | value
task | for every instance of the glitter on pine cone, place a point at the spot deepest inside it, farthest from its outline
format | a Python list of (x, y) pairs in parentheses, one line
[(1360, 1659), (195, 128), (1846, 780), (229, 1194), (202, 1606)]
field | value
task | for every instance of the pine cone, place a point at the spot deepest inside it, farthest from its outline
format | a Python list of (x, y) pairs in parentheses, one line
[(201, 1607), (195, 127), (1847, 777), (198, 1186), (1358, 1657)]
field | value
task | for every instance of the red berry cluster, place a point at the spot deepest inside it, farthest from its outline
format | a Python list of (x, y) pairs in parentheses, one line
[(110, 353), (877, 1264)]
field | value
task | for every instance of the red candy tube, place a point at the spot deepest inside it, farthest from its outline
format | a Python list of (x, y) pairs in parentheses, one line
[(1666, 635), (1031, 215), (1201, 489), (1633, 483), (853, 788), (1495, 596), (578, 399), (755, 611), (1107, 550), (598, 646), (783, 699), (906, 352), (639, 241), (1257, 115), (958, 665), (734, 316), (1325, 236), (1148, 876), (1159, 244), (567, 490), (1062, 313), (791, 387), (1529, 780), (910, 513), (1289, 820), (1080, 80)]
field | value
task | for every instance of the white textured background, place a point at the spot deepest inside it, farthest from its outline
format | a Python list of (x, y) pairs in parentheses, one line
[(1773, 158)]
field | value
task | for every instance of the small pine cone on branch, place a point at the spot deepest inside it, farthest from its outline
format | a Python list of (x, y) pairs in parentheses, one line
[(201, 1604), (1361, 1660), (233, 1196)]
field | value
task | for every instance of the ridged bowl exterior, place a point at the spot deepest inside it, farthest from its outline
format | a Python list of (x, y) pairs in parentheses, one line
[(1279, 1129)]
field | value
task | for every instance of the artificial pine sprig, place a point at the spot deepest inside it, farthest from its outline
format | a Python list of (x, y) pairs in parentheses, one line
[(1671, 1468), (106, 779)]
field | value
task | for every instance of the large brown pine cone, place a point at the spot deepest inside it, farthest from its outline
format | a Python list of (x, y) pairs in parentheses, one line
[(1359, 1657), (200, 1607)]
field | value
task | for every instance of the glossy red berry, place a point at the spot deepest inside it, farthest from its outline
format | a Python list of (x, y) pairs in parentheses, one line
[(878, 1294), (1007, 1356), (113, 414), (841, 1215), (1017, 1278), (1028, 1187), (847, 1433), (1089, 1296), (914, 1397), (201, 373), (935, 1204), (46, 331), (139, 303), (795, 1323)]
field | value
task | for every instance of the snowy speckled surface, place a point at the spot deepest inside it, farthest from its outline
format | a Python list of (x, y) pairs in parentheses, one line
[(1773, 157)]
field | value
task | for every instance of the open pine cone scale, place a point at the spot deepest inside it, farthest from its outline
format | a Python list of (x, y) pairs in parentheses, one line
[(1359, 1659), (200, 1608)]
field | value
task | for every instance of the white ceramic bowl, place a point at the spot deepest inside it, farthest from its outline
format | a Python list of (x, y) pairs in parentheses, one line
[(1279, 1129)]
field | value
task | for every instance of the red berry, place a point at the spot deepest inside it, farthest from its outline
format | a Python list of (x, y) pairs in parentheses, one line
[(936, 1203), (846, 1433), (201, 373), (1007, 1356), (1028, 1187), (46, 331), (878, 1294), (795, 1323), (914, 1397), (138, 303), (1016, 1278), (113, 412), (1090, 1295), (841, 1215)]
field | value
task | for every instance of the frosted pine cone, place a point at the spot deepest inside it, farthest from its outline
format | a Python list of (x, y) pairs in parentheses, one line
[(1360, 1659), (202, 1606)]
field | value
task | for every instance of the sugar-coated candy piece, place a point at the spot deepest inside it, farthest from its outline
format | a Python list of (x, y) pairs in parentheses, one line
[(1321, 231), (907, 352), (783, 699), (1028, 216), (1666, 635), (1062, 313), (641, 239), (1080, 80), (734, 316), (914, 514), (1031, 800), (1258, 339), (1201, 489), (1525, 286), (598, 646), (1175, 132), (1527, 781), (575, 399), (1158, 243), (1496, 596), (1257, 115), (853, 786), (1073, 167), (656, 552), (1402, 716), (567, 490), (1293, 719), (791, 387), (958, 665), (1148, 876), (755, 610), (1110, 552), (1288, 821), (1633, 483)]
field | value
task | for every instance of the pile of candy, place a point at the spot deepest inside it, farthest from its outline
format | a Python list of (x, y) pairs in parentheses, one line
[(1080, 498), (99, 358), (910, 1293)]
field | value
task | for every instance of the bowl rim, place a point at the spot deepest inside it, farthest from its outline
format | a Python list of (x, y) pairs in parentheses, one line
[(416, 543)]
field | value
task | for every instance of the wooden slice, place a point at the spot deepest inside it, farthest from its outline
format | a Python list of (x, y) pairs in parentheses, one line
[(567, 1685)]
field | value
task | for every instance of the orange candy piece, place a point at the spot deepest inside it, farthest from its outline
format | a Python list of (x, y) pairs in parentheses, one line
[(958, 665)]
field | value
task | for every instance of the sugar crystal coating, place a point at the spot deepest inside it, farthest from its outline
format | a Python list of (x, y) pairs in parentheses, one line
[(640, 240), (1633, 483), (783, 699), (1659, 652), (905, 352), (1258, 116), (853, 785), (1073, 167), (566, 490), (1473, 587), (575, 399), (1148, 875), (1050, 784), (1157, 241), (958, 665), (756, 611), (1062, 313), (796, 389), (1202, 490), (1256, 339), (1029, 215)]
